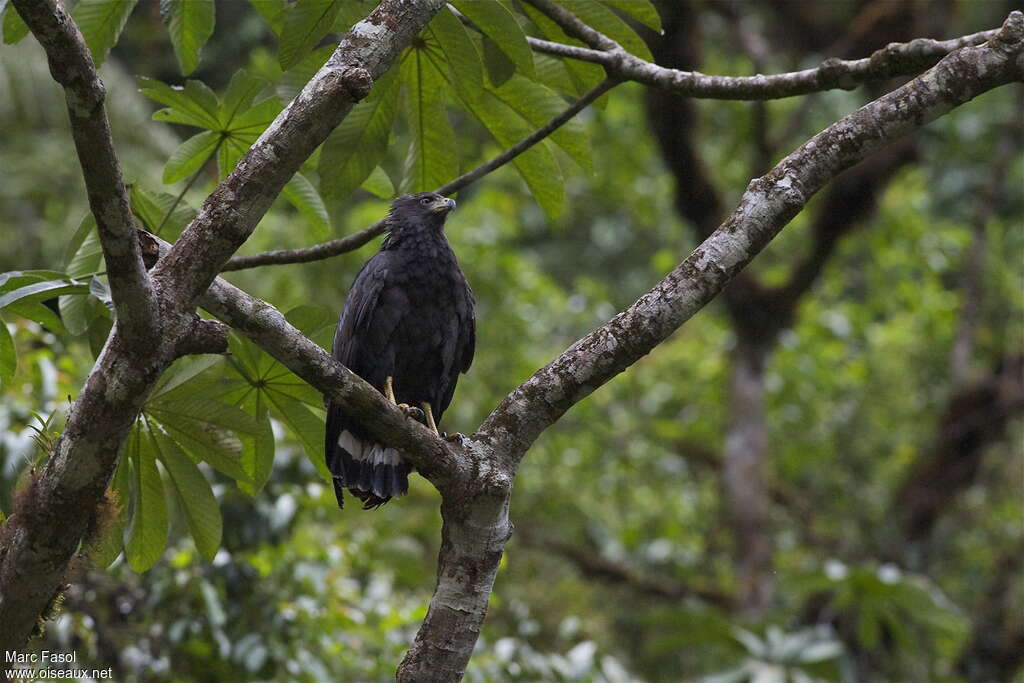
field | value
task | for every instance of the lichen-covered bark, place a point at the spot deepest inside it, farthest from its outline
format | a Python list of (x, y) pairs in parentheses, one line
[(72, 67), (768, 204), (893, 60), (159, 323), (474, 473)]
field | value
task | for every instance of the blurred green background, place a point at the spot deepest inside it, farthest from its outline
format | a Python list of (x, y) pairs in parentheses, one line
[(622, 566)]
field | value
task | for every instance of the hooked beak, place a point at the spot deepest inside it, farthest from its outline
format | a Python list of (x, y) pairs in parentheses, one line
[(444, 206)]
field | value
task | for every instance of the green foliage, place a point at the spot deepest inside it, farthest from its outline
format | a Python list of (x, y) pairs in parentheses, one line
[(502, 30), (221, 497), (190, 24), (360, 143), (101, 23), (8, 355), (305, 22)]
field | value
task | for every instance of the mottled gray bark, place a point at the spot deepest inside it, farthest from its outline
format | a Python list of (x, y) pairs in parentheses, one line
[(474, 474), (55, 512), (893, 60)]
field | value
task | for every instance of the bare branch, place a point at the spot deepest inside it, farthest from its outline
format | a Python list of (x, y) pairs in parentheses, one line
[(768, 204), (50, 520), (231, 212), (895, 59), (317, 252), (529, 141), (354, 241), (72, 67)]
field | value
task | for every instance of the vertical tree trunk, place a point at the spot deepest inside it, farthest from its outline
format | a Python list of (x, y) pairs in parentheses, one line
[(744, 479)]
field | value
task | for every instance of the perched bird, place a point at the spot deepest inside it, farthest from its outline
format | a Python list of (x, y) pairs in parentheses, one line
[(408, 328)]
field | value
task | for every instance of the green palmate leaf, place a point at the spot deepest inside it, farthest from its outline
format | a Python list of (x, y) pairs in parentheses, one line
[(379, 184), (147, 528), (228, 154), (303, 424), (258, 450), (191, 105), (8, 355), (188, 369), (641, 10), (241, 93), (40, 313), (537, 165), (152, 207), (350, 14), (74, 246), (432, 160), (77, 312), (305, 22), (16, 279), (204, 442), (502, 30), (182, 409), (194, 494), (190, 23), (14, 27), (463, 59), (301, 194), (99, 329), (271, 10), (584, 76), (254, 120), (245, 129), (599, 17), (499, 67), (538, 105), (260, 383), (101, 23), (360, 143), (190, 156), (43, 290), (554, 74)]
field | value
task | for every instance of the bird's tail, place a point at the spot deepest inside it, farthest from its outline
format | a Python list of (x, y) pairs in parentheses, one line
[(372, 472)]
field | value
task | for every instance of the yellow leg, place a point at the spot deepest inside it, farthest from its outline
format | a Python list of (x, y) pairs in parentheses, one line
[(430, 417), (389, 390)]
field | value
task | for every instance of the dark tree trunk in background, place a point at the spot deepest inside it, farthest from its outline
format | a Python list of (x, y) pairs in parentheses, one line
[(744, 480), (760, 313)]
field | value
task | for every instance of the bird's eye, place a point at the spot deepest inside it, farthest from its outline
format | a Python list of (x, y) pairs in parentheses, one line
[(425, 200)]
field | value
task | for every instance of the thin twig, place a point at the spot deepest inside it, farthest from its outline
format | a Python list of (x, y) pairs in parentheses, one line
[(526, 143), (893, 60), (354, 241)]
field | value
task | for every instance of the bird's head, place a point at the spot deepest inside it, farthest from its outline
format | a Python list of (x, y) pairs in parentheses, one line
[(424, 208)]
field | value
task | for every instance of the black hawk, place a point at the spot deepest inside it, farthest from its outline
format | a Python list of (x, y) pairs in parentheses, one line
[(408, 329)]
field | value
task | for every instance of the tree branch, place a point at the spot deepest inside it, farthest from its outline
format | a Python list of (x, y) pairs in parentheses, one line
[(232, 211), (895, 59), (56, 510), (354, 241), (72, 67), (768, 204)]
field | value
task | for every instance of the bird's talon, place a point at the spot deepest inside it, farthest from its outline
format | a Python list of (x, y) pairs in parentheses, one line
[(411, 412)]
